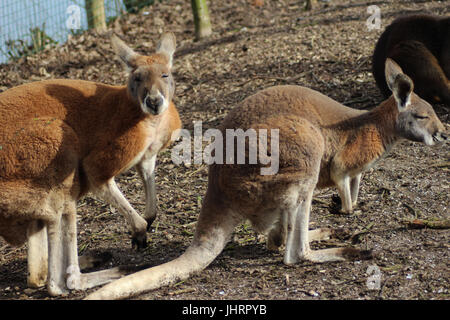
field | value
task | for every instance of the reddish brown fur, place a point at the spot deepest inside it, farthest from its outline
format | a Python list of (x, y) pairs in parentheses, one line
[(420, 44), (88, 110)]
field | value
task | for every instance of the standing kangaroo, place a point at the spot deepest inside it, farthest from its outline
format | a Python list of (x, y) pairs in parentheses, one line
[(60, 139), (321, 143), (420, 44)]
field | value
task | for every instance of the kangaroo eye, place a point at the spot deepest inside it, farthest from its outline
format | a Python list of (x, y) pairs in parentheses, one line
[(418, 116), (164, 75)]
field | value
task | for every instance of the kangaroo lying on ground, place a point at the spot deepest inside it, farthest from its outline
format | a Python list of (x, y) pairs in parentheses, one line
[(420, 44), (321, 143), (63, 138)]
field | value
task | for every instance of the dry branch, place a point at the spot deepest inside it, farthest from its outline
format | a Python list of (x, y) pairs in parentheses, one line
[(430, 223)]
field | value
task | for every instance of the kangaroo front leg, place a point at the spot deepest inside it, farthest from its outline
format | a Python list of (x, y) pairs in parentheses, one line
[(354, 188), (343, 186), (146, 169), (37, 254), (110, 193), (342, 181)]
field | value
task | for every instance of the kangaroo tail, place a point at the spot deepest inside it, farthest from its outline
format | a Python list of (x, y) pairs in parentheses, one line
[(212, 233)]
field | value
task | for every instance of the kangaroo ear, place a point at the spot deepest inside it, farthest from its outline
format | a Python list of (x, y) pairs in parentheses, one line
[(167, 46), (400, 84), (126, 54)]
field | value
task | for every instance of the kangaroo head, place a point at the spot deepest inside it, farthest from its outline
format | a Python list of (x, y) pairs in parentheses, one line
[(416, 119), (150, 82)]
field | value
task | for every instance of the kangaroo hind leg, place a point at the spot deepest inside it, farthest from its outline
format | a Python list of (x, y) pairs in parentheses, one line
[(74, 278), (298, 238), (37, 253)]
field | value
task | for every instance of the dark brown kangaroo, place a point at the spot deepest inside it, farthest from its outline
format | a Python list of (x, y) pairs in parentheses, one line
[(420, 44)]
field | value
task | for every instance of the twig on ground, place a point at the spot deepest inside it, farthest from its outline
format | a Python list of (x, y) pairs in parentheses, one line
[(430, 223)]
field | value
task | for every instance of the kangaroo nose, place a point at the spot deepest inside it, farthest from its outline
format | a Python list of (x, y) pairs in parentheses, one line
[(153, 103), (440, 137)]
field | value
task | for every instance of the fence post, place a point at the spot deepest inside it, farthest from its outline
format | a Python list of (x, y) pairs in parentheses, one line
[(95, 11), (201, 19), (310, 4)]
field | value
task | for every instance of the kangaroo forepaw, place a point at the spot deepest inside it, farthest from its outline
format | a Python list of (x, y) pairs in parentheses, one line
[(346, 211), (139, 242), (149, 222)]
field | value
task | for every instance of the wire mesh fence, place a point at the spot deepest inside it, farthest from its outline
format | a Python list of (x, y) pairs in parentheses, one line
[(28, 26)]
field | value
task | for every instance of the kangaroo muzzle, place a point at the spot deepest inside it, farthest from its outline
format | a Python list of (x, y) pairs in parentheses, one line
[(440, 137), (154, 103)]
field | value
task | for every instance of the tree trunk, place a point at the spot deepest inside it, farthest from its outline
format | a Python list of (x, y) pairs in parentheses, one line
[(201, 19), (95, 11), (310, 4)]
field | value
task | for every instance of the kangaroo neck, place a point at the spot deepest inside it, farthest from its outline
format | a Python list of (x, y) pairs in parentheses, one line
[(375, 127)]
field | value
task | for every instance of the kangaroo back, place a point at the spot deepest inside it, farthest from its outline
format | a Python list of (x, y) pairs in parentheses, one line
[(420, 44)]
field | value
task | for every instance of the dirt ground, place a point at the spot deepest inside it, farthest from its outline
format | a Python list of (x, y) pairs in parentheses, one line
[(328, 49)]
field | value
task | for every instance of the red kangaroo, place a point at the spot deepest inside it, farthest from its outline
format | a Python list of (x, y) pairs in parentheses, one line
[(60, 139)]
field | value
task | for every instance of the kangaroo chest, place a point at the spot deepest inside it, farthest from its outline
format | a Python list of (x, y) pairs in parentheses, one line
[(154, 135)]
